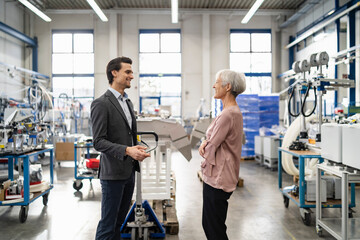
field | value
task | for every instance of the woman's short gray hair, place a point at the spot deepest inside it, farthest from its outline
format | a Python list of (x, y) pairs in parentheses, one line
[(236, 80)]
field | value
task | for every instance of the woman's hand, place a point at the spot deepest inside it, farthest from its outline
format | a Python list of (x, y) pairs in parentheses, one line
[(202, 148)]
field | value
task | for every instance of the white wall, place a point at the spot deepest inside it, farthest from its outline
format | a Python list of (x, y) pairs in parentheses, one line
[(315, 13), (43, 31), (11, 50), (328, 44), (125, 43), (192, 65)]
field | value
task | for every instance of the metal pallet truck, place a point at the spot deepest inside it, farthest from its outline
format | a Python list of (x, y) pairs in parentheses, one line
[(141, 221)]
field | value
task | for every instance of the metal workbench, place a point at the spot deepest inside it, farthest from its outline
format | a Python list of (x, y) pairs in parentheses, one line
[(300, 200), (26, 162), (341, 228)]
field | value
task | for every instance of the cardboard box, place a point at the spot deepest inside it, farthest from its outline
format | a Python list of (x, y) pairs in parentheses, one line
[(64, 151), (3, 188)]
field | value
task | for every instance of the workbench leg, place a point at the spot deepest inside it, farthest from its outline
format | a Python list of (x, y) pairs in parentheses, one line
[(280, 170), (26, 175), (302, 181), (11, 168), (51, 166), (75, 160), (318, 195), (344, 206)]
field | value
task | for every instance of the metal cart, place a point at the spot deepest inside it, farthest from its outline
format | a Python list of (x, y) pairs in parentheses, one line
[(340, 228), (27, 199), (305, 206), (80, 171)]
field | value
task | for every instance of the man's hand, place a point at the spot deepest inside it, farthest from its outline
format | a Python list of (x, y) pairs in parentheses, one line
[(202, 148), (137, 152)]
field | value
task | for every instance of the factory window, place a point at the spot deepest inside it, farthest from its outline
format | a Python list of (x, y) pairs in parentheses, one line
[(250, 52), (160, 72), (73, 67)]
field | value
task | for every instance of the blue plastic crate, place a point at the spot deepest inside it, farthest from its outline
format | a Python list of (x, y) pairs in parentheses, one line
[(267, 108), (270, 98), (247, 153), (250, 144)]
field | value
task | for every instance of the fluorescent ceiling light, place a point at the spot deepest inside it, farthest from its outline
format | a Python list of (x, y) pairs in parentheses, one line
[(35, 10), (252, 11), (174, 11), (97, 10)]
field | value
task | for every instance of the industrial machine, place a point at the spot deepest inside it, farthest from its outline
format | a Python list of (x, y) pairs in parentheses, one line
[(22, 134), (167, 130), (319, 84), (69, 117)]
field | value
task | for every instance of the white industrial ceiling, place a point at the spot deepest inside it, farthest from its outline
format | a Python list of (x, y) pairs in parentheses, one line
[(165, 4)]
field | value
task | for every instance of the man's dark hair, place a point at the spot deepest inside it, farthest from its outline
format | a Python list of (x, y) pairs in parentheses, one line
[(115, 64)]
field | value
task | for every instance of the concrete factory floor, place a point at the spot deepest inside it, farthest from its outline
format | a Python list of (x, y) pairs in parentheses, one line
[(256, 211)]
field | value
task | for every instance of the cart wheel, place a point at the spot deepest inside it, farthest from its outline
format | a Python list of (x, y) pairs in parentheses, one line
[(23, 213), (306, 219), (46, 198), (319, 231), (133, 233), (77, 186), (146, 235), (286, 201)]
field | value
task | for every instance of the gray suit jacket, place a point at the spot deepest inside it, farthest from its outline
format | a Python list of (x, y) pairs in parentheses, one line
[(111, 135)]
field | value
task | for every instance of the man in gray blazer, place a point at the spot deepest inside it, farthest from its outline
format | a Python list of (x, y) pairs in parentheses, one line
[(114, 134)]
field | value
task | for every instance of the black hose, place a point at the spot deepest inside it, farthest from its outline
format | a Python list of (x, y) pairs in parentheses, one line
[(304, 101), (289, 104), (42, 106)]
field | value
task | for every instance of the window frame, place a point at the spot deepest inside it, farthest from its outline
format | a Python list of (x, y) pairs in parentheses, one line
[(72, 75), (251, 31), (141, 75)]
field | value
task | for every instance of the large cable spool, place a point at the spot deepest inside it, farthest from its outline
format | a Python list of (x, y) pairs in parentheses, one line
[(313, 60), (319, 59), (322, 58), (304, 66), (296, 67)]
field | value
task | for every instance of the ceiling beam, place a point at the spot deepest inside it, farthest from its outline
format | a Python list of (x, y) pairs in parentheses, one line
[(241, 12)]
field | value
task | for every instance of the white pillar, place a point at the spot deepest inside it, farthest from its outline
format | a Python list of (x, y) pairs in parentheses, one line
[(357, 61), (113, 36), (206, 78)]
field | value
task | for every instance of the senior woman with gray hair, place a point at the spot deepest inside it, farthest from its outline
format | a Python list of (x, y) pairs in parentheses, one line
[(222, 153)]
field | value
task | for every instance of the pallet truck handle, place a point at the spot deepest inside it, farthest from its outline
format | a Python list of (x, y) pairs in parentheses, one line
[(149, 133)]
